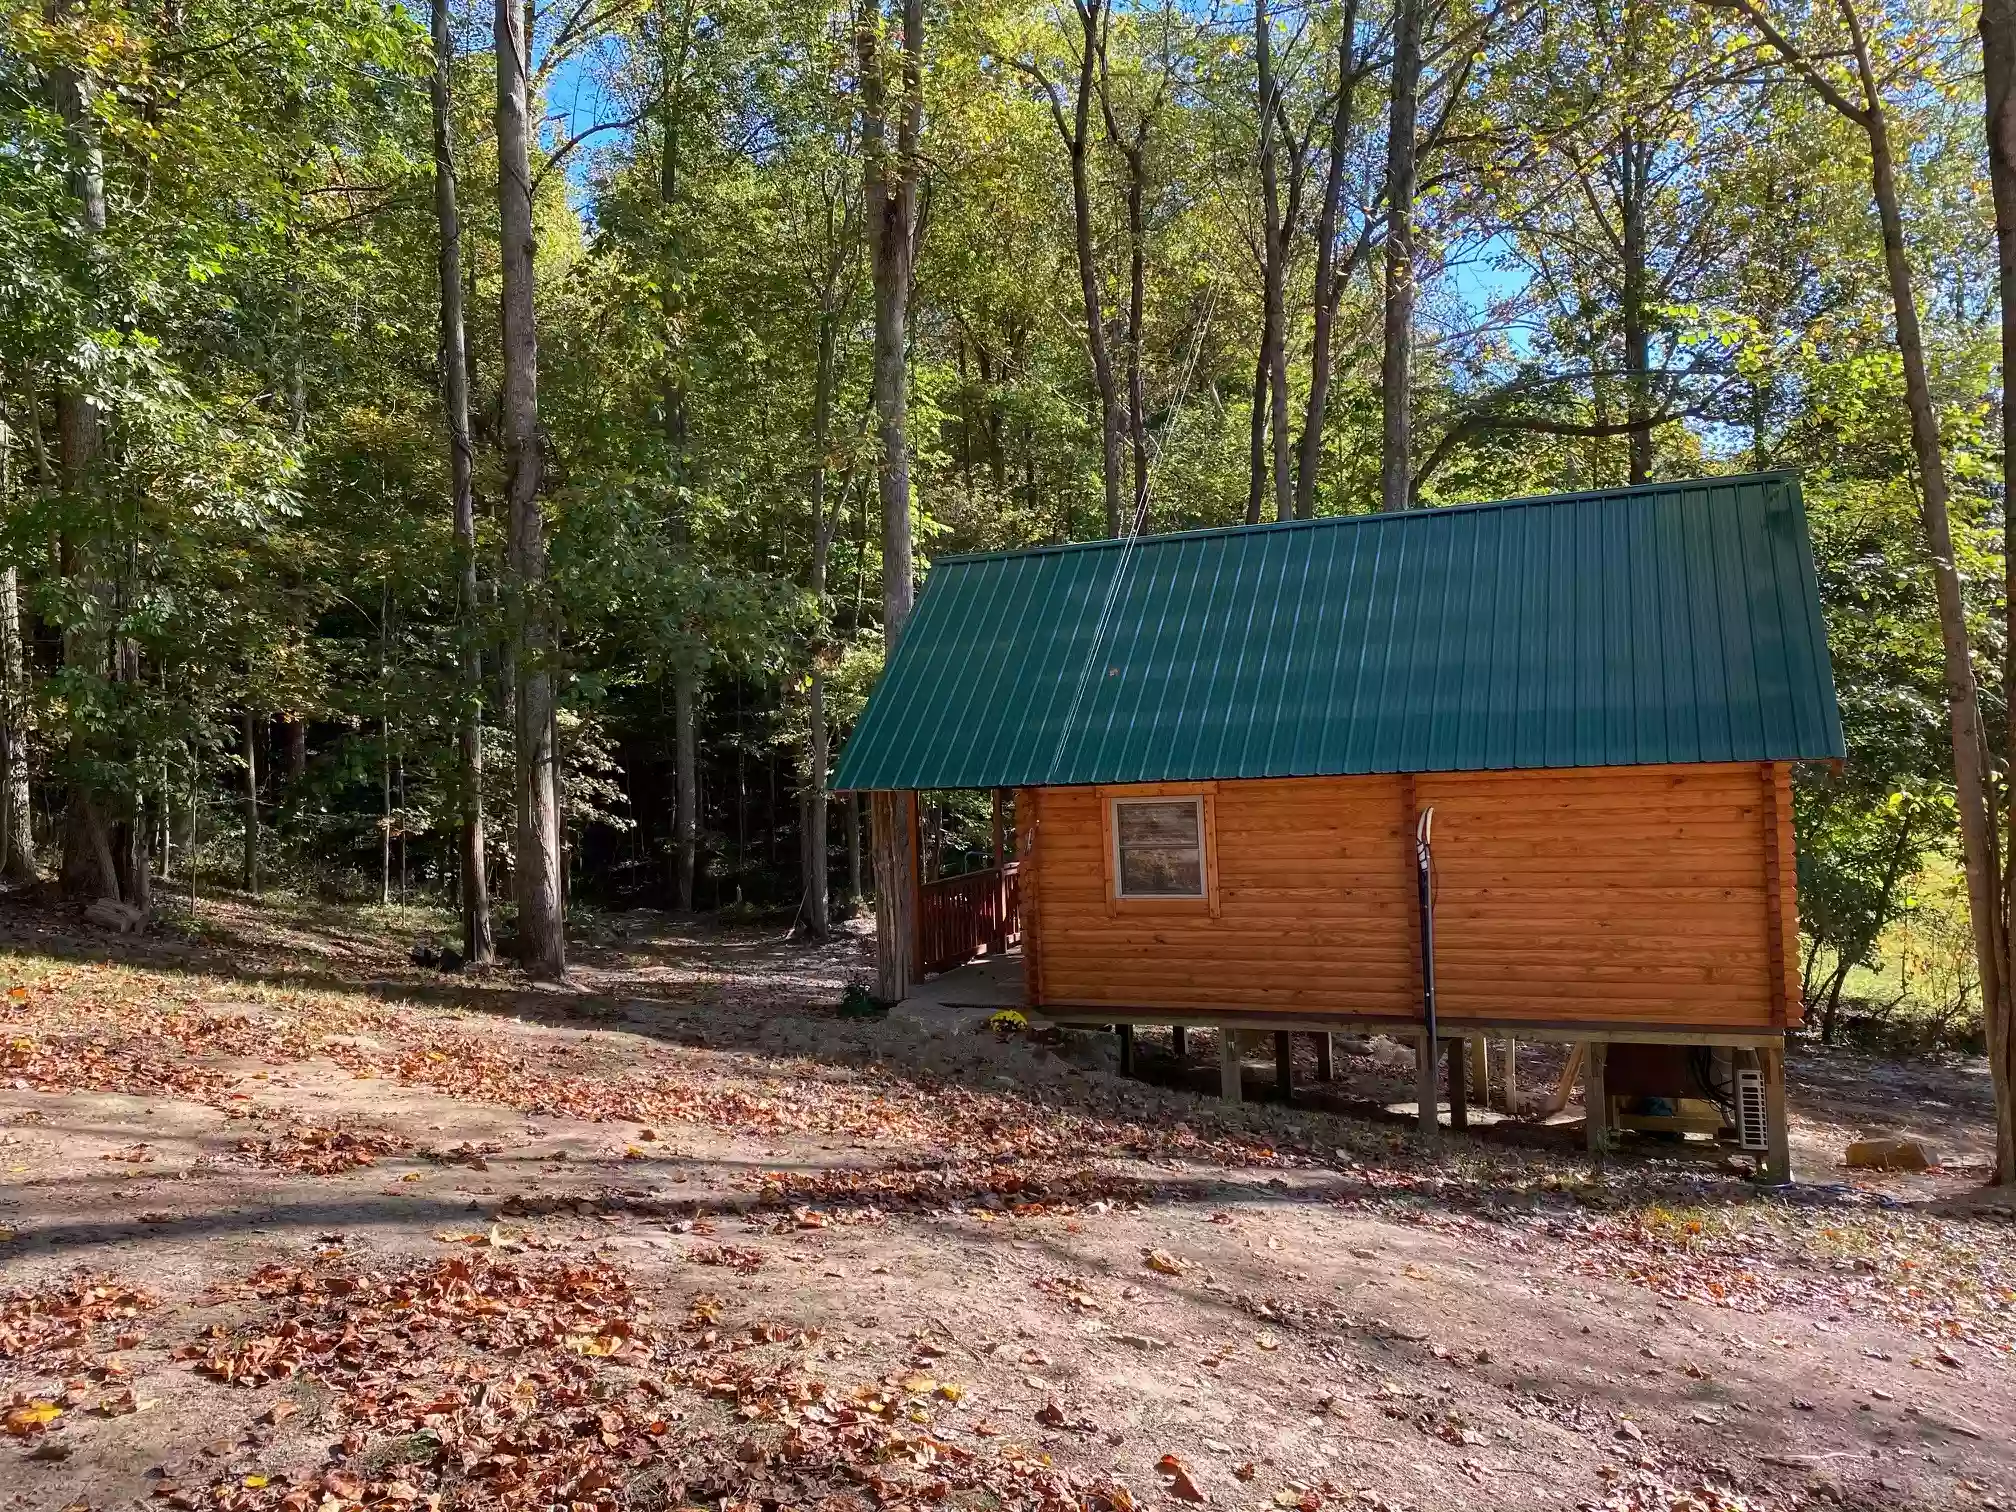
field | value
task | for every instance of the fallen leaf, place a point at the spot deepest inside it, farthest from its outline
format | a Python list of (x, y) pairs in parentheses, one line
[(32, 1418)]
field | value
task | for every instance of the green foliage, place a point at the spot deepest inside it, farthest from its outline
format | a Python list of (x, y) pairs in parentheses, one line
[(859, 1002), (265, 528)]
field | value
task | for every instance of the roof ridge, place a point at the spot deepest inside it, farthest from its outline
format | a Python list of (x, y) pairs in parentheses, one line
[(1429, 511)]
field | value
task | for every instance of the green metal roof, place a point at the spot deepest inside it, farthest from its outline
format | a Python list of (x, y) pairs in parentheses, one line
[(1674, 622)]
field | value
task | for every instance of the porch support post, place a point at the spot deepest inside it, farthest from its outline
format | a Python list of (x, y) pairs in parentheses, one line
[(1426, 1091), (1326, 1053), (1777, 1121), (893, 826), (1596, 1101), (1229, 1079), (1126, 1049), (1480, 1069), (1459, 1091), (1508, 1073), (996, 940), (1179, 1041)]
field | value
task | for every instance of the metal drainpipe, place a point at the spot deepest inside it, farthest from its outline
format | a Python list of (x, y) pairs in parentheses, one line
[(1431, 1080), (1424, 859)]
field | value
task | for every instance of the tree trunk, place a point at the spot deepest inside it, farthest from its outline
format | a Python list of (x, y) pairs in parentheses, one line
[(248, 873), (139, 878), (1137, 301), (851, 822), (1078, 144), (1309, 457), (478, 946), (1987, 900), (295, 729), (1830, 1015), (17, 837), (1963, 700), (893, 823), (1631, 165), (1396, 368), (17, 833), (1256, 425), (686, 673), (542, 946), (891, 210), (686, 786), (87, 852), (1274, 270), (1998, 53), (814, 908)]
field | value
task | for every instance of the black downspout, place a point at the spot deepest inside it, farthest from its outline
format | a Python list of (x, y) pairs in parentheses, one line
[(1431, 1045), (1424, 859)]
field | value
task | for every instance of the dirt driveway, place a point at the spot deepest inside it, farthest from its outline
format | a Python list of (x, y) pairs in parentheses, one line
[(288, 1223)]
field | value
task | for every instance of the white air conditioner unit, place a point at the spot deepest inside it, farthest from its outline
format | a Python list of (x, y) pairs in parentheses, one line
[(1750, 1121)]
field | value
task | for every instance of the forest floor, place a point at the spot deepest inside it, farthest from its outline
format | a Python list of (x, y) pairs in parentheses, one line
[(288, 1222)]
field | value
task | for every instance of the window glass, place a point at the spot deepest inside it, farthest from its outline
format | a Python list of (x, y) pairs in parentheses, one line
[(1161, 845)]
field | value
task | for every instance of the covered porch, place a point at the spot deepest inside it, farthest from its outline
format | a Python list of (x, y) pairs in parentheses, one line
[(930, 923)]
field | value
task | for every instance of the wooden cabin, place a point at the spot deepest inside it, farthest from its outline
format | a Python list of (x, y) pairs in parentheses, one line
[(1221, 744)]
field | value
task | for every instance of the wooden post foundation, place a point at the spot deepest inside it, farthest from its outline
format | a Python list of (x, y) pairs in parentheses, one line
[(1508, 1074), (1126, 1049), (1459, 1092), (1595, 1101), (1326, 1058), (1284, 1064), (1777, 1121), (1230, 1083), (1426, 1089), (1179, 1042), (1480, 1069), (893, 826)]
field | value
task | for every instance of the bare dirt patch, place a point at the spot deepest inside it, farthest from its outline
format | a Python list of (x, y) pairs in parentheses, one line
[(303, 1227)]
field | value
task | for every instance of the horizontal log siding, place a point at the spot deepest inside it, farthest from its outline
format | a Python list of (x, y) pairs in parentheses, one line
[(1611, 894)]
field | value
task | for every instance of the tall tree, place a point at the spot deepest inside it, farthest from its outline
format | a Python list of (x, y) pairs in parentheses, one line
[(1861, 102), (1280, 208), (1131, 142), (1333, 265), (1396, 370), (477, 944), (248, 868), (1998, 53), (17, 836), (890, 207), (835, 293), (88, 864), (535, 871), (1075, 129), (675, 50)]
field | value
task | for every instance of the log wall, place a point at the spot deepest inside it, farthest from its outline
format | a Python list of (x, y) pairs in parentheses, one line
[(1616, 895)]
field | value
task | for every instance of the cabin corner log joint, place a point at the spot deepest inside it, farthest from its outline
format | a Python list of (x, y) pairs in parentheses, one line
[(1220, 743)]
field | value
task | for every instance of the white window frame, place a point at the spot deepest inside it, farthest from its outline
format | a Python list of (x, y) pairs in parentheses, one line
[(1198, 804)]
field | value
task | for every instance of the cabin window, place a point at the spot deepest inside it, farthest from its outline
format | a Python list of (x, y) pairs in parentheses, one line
[(1159, 844)]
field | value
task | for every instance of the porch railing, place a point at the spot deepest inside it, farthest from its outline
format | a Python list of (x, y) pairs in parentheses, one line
[(961, 917)]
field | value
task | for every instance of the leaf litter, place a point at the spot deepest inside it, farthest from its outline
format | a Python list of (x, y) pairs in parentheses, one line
[(945, 1149)]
